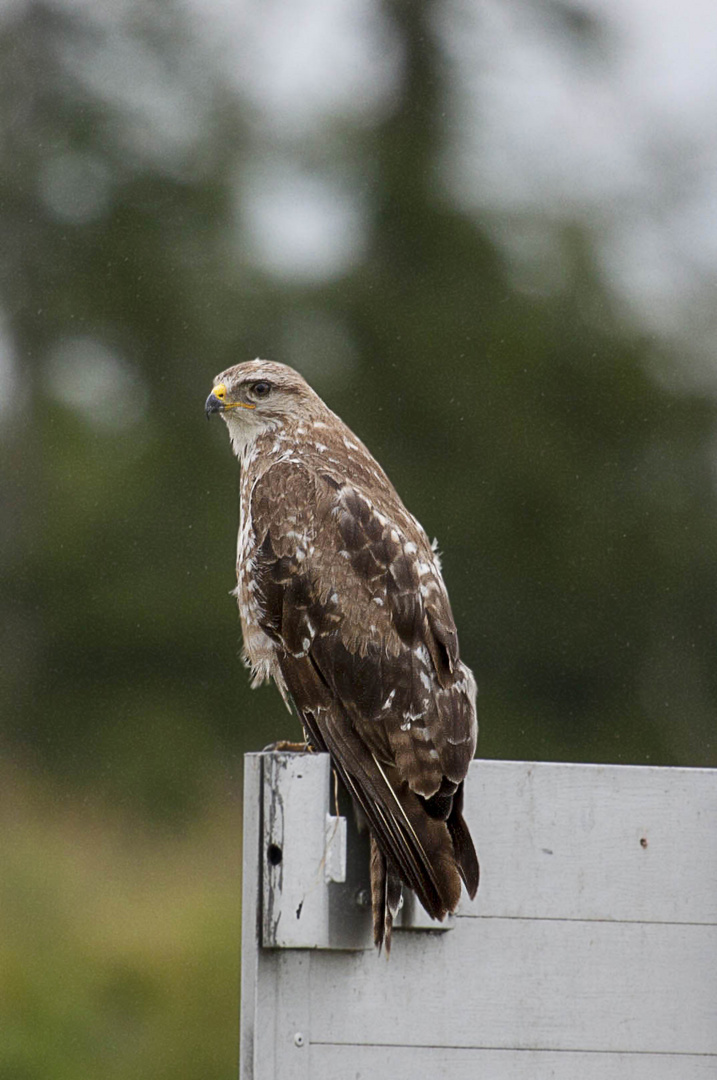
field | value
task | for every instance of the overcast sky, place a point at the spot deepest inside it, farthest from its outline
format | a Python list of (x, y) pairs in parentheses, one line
[(622, 136)]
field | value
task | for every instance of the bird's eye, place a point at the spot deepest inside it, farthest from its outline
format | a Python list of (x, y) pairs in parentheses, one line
[(261, 389)]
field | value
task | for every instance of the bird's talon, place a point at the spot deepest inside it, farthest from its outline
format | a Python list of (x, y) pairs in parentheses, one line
[(285, 746)]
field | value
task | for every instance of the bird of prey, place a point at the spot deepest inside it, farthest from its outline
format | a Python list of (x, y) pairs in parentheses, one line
[(342, 603)]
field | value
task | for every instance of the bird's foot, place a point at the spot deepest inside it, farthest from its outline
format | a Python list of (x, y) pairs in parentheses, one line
[(284, 745)]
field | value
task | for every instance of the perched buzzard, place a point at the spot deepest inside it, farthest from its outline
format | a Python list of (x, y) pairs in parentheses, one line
[(342, 602)]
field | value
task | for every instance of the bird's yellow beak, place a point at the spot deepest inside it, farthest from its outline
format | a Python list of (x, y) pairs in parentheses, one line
[(217, 401)]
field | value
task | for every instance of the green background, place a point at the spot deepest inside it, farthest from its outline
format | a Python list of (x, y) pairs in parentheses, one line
[(558, 450)]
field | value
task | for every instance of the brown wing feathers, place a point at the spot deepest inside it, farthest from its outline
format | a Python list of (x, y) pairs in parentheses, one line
[(366, 647), (416, 843)]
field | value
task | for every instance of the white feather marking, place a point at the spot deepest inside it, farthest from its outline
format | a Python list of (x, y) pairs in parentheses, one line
[(410, 716)]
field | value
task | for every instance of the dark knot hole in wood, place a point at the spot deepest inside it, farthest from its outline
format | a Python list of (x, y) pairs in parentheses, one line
[(274, 854)]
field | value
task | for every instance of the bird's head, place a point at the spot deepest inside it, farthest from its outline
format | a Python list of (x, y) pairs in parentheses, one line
[(259, 396)]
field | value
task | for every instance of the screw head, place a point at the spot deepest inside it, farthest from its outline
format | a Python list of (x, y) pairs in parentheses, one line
[(299, 1039)]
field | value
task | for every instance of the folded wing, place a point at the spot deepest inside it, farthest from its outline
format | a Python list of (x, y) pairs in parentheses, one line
[(351, 595)]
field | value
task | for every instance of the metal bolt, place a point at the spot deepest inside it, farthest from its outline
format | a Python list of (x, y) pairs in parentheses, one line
[(299, 1039)]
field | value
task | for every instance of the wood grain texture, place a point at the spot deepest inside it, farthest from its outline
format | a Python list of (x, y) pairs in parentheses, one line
[(299, 849)]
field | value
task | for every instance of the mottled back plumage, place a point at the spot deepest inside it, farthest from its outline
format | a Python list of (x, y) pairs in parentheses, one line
[(342, 602)]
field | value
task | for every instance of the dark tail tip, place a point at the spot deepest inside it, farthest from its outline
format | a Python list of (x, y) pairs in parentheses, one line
[(386, 894), (464, 851)]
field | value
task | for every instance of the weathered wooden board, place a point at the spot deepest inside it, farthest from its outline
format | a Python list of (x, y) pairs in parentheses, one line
[(594, 841), (451, 1063), (544, 983), (306, 848), (591, 949)]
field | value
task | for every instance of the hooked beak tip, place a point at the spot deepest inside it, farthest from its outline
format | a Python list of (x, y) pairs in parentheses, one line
[(212, 405)]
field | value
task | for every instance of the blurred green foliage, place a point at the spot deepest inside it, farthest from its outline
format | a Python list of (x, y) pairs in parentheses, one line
[(119, 953), (572, 492)]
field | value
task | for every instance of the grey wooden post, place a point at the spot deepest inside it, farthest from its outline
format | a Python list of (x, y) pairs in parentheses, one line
[(590, 950)]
